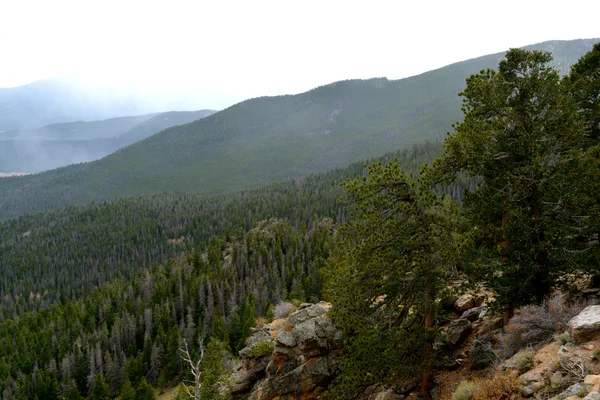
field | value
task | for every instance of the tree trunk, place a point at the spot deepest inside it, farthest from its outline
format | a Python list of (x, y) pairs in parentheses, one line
[(429, 324), (508, 309)]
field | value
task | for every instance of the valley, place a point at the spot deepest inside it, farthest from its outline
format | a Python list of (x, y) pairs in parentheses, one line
[(430, 237)]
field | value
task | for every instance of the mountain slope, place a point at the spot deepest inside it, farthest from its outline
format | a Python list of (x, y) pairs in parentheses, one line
[(58, 145), (272, 138)]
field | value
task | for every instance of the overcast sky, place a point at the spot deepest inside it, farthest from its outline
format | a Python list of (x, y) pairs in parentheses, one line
[(228, 51)]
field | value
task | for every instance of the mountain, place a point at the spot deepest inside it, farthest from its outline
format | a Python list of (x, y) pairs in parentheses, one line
[(272, 138), (53, 101), (58, 145)]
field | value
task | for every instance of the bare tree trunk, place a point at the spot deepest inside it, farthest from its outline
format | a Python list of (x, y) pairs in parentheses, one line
[(195, 369)]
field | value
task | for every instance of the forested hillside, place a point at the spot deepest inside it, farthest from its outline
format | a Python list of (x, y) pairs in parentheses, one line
[(268, 139), (124, 332), (62, 254), (99, 300)]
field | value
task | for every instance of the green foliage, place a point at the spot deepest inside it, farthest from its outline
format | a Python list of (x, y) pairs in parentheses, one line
[(144, 391), (47, 258), (215, 383), (100, 389), (518, 134), (583, 85), (384, 277), (261, 348), (127, 390), (132, 329)]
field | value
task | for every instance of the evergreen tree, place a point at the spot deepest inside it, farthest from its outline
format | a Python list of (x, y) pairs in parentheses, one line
[(127, 390), (214, 379), (583, 85), (385, 275), (518, 130), (144, 391), (100, 389)]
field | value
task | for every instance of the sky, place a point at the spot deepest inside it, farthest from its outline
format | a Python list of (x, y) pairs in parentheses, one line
[(227, 51)]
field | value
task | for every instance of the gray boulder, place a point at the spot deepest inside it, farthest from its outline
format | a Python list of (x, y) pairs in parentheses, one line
[(457, 331), (573, 390), (483, 354), (586, 325)]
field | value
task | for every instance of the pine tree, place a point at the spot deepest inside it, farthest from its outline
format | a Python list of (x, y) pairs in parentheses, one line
[(144, 391), (385, 275), (100, 389), (518, 130), (583, 85), (127, 390)]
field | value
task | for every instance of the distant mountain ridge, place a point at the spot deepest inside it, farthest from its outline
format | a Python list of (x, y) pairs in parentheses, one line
[(58, 145), (267, 139), (53, 101)]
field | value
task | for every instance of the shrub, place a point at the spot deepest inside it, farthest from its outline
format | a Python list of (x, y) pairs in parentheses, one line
[(261, 348), (464, 391), (563, 338), (283, 309), (499, 386), (522, 361), (535, 325)]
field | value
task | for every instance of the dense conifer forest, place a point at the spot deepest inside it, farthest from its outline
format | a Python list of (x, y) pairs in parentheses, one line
[(98, 300)]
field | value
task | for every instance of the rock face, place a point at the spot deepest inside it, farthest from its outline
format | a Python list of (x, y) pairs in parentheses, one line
[(304, 357), (586, 325)]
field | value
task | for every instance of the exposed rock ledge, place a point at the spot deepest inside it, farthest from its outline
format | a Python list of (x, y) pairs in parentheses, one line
[(291, 358)]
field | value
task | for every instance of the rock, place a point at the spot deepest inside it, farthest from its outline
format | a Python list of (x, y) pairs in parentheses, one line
[(457, 331), (591, 382), (586, 325), (482, 353), (532, 382), (474, 314), (246, 374), (573, 390), (592, 396), (490, 325), (464, 303), (307, 347), (389, 395), (286, 339)]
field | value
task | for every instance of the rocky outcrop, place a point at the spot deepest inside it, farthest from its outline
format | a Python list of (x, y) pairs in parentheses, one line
[(466, 302), (290, 358), (586, 325)]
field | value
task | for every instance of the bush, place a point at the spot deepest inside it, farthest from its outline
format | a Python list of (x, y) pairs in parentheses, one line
[(499, 386), (283, 309), (522, 361), (464, 391), (563, 338), (261, 348), (535, 325)]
